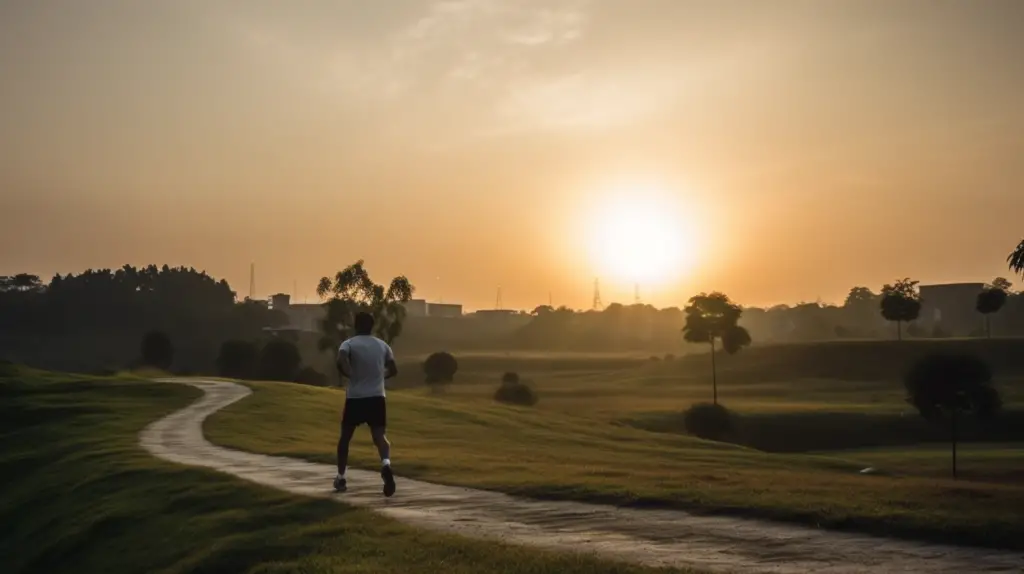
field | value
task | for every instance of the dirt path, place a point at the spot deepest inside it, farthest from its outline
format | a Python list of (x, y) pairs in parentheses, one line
[(657, 538)]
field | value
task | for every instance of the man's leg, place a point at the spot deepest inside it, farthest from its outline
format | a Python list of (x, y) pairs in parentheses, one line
[(347, 431), (380, 440)]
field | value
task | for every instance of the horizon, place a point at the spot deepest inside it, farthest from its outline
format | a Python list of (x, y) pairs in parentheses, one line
[(528, 145)]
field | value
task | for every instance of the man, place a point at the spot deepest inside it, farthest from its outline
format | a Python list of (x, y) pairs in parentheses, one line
[(366, 362)]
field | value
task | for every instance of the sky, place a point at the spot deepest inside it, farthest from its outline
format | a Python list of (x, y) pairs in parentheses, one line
[(801, 147)]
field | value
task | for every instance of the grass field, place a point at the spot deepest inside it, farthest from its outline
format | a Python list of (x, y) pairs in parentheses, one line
[(78, 494), (461, 438)]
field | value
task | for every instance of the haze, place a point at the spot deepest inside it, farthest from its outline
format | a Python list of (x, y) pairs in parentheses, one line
[(809, 146)]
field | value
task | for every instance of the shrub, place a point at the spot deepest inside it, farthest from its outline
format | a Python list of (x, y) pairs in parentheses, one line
[(157, 350), (655, 358), (708, 421), (670, 357), (513, 391), (238, 359), (440, 368), (310, 376), (279, 361)]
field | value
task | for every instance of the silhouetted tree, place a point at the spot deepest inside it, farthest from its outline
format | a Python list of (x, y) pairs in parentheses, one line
[(710, 317), (990, 300), (943, 387), (1002, 283), (901, 303), (157, 350), (1016, 259), (279, 360), (351, 291), (513, 391), (238, 359), (440, 368)]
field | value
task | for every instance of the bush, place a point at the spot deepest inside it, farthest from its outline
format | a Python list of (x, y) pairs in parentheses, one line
[(279, 361), (310, 376), (440, 368), (157, 350), (238, 359), (670, 357), (655, 358), (515, 392), (708, 421)]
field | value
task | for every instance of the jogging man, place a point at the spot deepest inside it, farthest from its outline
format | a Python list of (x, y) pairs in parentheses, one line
[(366, 362)]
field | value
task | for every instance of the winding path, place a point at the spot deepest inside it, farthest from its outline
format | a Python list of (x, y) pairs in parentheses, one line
[(655, 538)]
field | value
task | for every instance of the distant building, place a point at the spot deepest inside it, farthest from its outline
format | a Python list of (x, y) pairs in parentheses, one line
[(302, 316), (951, 308), (416, 308), (450, 310)]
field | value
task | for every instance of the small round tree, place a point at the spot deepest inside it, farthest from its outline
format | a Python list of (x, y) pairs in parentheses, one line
[(990, 301), (279, 360), (440, 368), (945, 387), (514, 391), (157, 350), (709, 421), (238, 359)]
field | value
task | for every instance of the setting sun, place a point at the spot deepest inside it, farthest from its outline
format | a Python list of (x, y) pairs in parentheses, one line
[(640, 237)]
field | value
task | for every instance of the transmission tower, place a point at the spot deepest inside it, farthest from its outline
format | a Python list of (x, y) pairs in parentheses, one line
[(497, 303), (598, 305), (252, 281)]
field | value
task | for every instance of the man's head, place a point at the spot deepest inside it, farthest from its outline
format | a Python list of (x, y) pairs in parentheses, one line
[(363, 323)]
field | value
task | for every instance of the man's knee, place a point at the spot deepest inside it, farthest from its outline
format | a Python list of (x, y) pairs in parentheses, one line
[(379, 435)]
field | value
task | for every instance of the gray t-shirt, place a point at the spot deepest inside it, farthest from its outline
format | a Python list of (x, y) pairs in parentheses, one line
[(367, 355)]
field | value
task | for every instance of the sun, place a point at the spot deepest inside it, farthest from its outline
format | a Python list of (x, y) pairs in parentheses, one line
[(641, 237)]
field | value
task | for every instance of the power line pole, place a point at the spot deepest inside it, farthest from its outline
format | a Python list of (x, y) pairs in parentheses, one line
[(598, 305), (498, 304), (252, 281)]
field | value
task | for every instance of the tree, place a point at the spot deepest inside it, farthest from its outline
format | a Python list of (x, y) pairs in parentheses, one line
[(901, 303), (157, 350), (352, 291), (279, 361), (860, 297), (990, 301), (1016, 259), (1002, 283), (710, 317), (944, 387), (238, 359), (440, 368)]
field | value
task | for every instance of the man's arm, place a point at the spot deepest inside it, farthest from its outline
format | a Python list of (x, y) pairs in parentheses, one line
[(343, 361), (390, 367)]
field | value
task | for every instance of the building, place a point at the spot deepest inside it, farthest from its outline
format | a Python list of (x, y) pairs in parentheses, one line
[(449, 310), (951, 308), (301, 316), (416, 308)]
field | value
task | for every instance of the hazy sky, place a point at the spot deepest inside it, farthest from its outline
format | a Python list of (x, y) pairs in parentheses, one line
[(813, 145)]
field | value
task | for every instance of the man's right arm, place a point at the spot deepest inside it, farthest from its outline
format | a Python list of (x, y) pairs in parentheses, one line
[(343, 361)]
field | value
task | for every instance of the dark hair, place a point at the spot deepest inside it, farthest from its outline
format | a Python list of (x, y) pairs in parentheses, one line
[(363, 323)]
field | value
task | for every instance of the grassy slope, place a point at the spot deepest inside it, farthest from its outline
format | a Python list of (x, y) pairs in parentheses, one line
[(544, 454), (78, 495)]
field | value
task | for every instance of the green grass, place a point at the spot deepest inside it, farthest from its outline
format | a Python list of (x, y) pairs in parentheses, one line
[(77, 494), (552, 454)]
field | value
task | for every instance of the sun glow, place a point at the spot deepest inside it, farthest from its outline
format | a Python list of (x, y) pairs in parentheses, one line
[(641, 236)]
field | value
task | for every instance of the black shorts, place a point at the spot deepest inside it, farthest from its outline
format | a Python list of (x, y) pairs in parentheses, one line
[(372, 411)]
